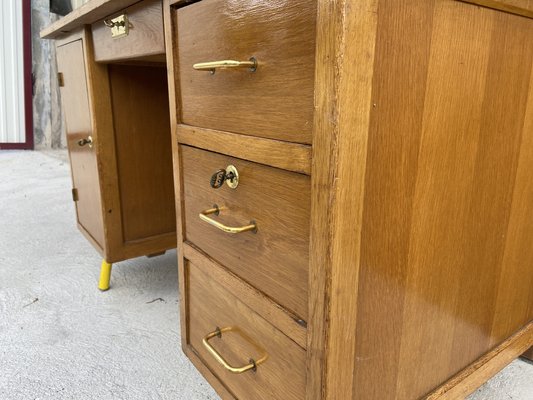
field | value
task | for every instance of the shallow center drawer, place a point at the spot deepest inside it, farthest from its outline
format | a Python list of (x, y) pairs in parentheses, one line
[(275, 258), (274, 101), (144, 40), (245, 339)]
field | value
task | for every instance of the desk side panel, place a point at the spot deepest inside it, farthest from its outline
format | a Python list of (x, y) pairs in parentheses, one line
[(445, 257)]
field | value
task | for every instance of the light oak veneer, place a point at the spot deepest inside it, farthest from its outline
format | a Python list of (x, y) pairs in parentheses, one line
[(396, 150)]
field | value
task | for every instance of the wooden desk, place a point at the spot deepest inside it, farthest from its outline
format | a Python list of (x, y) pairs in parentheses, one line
[(378, 242), (115, 100)]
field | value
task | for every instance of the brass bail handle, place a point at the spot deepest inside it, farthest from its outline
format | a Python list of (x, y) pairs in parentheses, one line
[(88, 140), (251, 366), (111, 24), (204, 216), (212, 66)]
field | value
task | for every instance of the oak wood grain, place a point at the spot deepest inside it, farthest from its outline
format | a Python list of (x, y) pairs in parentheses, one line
[(404, 36), (290, 156), (145, 38), (103, 116), (276, 101), (519, 7), (287, 323), (273, 260), (420, 195), (211, 305), (102, 121), (434, 269), (143, 150), (83, 162), (514, 286), (468, 380), (345, 58), (528, 354)]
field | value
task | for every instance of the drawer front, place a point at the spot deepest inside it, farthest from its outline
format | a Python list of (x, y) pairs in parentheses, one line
[(275, 101), (145, 39), (280, 368), (275, 258)]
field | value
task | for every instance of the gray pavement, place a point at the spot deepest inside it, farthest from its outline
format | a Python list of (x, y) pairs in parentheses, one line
[(60, 338)]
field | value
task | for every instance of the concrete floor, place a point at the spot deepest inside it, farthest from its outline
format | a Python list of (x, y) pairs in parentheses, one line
[(60, 338)]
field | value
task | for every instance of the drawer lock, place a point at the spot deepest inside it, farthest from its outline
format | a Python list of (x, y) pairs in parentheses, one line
[(204, 216), (88, 140), (120, 26), (252, 364), (230, 175)]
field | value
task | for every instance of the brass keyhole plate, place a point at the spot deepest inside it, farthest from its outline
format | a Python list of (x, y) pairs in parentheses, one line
[(234, 182)]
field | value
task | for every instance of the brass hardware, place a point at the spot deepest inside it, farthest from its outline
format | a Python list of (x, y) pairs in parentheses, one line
[(229, 229), (212, 66), (233, 176), (88, 140), (120, 26), (236, 370), (230, 175), (75, 194), (60, 79)]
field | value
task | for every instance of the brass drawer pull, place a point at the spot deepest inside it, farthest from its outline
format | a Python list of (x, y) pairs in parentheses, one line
[(229, 229), (235, 370), (88, 140), (212, 66), (120, 26)]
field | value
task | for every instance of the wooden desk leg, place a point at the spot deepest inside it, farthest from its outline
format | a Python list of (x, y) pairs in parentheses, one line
[(105, 276), (528, 354)]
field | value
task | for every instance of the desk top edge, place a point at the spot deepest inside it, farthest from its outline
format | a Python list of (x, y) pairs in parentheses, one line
[(88, 13)]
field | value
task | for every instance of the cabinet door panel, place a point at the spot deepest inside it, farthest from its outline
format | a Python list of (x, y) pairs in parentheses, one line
[(75, 101)]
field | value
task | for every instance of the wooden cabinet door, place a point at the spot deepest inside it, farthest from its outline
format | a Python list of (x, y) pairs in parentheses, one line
[(75, 101)]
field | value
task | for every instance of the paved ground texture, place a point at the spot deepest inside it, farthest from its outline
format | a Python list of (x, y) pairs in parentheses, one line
[(60, 338)]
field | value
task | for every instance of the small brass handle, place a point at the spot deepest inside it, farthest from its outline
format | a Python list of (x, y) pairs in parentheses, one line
[(235, 370), (120, 26), (229, 229), (111, 24), (212, 66), (88, 140)]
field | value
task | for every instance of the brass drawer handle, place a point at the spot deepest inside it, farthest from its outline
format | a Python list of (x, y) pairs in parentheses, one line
[(235, 370), (120, 26), (88, 140), (212, 66), (111, 23), (229, 229)]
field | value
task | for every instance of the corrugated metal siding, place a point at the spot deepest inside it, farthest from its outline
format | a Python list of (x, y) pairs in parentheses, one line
[(11, 73)]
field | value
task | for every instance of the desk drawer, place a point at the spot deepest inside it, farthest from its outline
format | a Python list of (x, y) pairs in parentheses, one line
[(275, 101), (274, 259), (245, 336), (144, 41)]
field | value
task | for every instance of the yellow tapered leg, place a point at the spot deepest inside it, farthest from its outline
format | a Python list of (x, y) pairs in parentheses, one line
[(105, 276)]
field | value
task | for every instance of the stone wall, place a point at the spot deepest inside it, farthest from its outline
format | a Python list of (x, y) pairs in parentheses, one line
[(49, 132)]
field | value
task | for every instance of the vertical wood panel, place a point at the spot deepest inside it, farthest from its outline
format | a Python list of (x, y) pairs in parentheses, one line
[(12, 117), (346, 32), (448, 149), (485, 231), (516, 280), (71, 60), (144, 153), (403, 52), (445, 193)]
